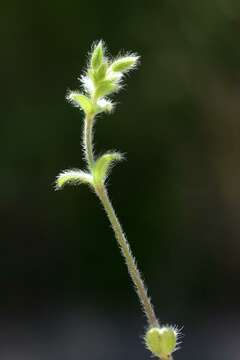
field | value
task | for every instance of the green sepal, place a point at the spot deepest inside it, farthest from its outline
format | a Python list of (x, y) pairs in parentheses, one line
[(103, 165), (84, 102), (97, 55), (73, 177)]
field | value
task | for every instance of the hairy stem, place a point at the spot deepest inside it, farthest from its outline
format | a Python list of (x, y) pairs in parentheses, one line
[(128, 256), (88, 142), (101, 192)]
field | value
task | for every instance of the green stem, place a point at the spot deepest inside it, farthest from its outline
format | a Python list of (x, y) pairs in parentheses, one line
[(128, 256), (88, 141), (101, 192)]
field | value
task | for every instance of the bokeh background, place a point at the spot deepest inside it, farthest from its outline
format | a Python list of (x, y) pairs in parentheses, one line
[(64, 290)]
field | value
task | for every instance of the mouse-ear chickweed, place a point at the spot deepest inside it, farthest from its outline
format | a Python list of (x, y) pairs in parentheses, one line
[(102, 78)]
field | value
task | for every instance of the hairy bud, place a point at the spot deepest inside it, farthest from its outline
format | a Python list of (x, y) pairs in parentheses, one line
[(161, 341)]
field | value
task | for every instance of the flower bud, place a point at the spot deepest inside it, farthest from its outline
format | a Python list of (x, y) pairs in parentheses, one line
[(161, 341)]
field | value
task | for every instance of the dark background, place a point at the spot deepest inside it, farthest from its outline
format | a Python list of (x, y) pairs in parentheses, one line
[(65, 293)]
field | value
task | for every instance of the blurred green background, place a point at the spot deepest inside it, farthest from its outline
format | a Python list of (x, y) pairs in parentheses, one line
[(65, 292)]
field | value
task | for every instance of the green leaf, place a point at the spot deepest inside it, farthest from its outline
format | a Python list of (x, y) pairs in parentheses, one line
[(125, 63), (106, 87), (81, 100), (97, 55), (103, 165), (100, 73), (73, 177)]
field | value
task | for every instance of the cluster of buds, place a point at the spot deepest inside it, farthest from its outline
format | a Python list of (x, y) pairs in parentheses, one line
[(102, 78)]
